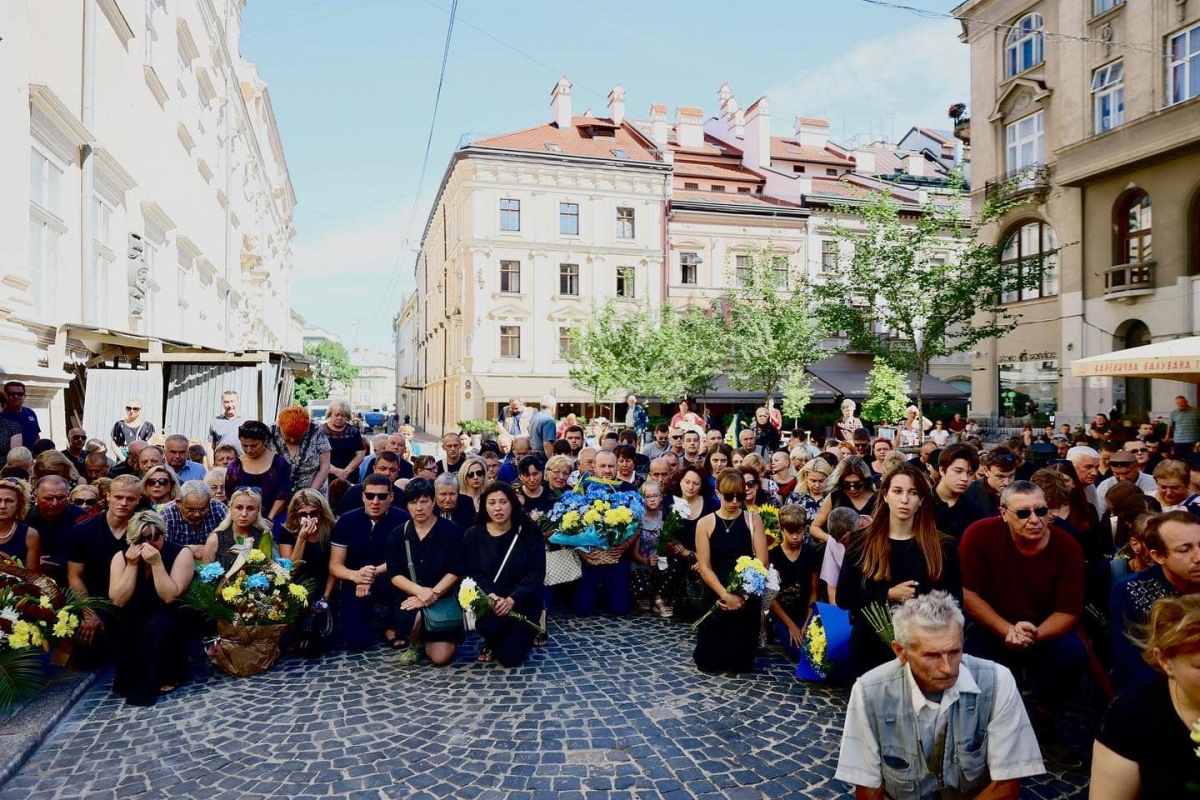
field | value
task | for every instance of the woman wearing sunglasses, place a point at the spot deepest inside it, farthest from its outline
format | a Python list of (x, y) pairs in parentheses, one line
[(86, 498), (147, 579), (471, 477), (159, 487), (727, 640), (898, 556), (303, 536), (127, 431), (848, 487)]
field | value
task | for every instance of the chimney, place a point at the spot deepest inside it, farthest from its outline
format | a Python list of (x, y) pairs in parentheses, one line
[(757, 152), (658, 124), (812, 132), (689, 127), (864, 162), (723, 94), (734, 117), (914, 164), (560, 103), (616, 104)]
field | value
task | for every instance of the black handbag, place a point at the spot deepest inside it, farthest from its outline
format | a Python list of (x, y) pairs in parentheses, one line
[(314, 631)]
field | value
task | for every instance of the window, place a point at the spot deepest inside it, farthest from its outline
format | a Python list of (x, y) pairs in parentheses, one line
[(510, 341), (779, 266), (798, 168), (1032, 246), (741, 270), (364, 397), (1023, 48), (1133, 225), (624, 223), (743, 190), (625, 282), (45, 182), (1100, 6), (565, 343), (568, 279), (510, 277), (620, 154), (1108, 96), (553, 148), (692, 186), (831, 171), (510, 215), (718, 188), (568, 219), (46, 228), (1183, 65), (103, 222), (1024, 144), (829, 253), (687, 267)]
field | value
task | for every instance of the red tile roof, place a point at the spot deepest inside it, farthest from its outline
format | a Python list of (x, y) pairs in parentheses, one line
[(729, 171), (733, 198), (573, 141), (791, 150), (812, 121)]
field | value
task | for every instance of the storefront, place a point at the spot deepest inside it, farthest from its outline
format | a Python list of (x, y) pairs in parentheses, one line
[(1028, 384)]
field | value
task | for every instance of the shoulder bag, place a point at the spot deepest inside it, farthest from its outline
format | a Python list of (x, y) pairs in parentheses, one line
[(443, 615), (468, 614), (562, 566)]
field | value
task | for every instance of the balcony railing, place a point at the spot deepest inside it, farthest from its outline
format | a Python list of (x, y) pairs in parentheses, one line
[(1128, 280), (1033, 180)]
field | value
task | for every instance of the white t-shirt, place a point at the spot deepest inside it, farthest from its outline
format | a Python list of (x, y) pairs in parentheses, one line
[(939, 437)]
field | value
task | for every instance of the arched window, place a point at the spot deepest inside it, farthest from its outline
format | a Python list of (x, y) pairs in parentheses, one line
[(1031, 257), (1023, 48), (1135, 243)]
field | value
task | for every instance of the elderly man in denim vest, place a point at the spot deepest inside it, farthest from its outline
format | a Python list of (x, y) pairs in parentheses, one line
[(936, 723)]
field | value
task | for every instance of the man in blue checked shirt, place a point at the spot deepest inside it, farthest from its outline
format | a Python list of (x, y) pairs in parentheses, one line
[(192, 516)]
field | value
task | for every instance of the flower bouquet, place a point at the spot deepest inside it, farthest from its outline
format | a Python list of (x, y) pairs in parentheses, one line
[(825, 651), (475, 603), (35, 614), (674, 518), (599, 518), (770, 516), (748, 579), (252, 603)]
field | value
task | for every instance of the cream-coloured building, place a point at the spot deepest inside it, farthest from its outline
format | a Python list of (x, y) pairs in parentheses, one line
[(409, 390), (374, 388), (145, 199), (1101, 133)]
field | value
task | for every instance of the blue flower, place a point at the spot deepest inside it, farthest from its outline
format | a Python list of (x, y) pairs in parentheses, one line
[(258, 581), (286, 563), (211, 572)]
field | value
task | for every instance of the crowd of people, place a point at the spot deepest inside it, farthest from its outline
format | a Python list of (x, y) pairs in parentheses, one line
[(1014, 569)]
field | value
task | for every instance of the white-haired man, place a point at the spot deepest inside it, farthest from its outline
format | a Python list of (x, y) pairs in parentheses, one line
[(935, 722), (1087, 466)]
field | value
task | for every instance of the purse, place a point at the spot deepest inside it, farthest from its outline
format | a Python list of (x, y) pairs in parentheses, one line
[(445, 614), (562, 566), (314, 632), (469, 615)]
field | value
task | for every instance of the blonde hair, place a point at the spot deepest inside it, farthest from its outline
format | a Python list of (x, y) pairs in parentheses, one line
[(85, 487), (466, 465), (21, 489), (141, 522), (165, 470), (310, 497), (52, 462), (756, 462), (258, 523), (19, 457), (1173, 630)]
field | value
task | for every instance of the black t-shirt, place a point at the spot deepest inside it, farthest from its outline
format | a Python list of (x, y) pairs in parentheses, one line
[(94, 547), (953, 520), (124, 435), (1142, 726)]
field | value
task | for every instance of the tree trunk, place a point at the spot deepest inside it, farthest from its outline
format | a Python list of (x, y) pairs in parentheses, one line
[(920, 406)]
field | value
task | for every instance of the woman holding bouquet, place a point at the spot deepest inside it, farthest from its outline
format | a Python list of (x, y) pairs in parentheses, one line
[(241, 529), (650, 583), (506, 557), (700, 503), (900, 555), (727, 640)]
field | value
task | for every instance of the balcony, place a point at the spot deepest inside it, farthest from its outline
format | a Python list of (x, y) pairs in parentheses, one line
[(1124, 282), (1026, 183), (960, 114)]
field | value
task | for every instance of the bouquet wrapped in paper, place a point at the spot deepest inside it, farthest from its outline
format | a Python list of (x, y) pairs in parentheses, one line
[(675, 516), (599, 518), (825, 651)]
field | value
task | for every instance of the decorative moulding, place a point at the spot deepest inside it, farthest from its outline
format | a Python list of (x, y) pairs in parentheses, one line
[(120, 25), (54, 124)]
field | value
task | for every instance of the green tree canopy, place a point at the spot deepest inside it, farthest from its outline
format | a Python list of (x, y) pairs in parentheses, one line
[(887, 394), (331, 370)]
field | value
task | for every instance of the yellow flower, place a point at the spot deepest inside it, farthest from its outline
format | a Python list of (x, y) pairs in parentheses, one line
[(231, 593), (467, 597), (274, 613), (256, 557), (44, 602), (65, 624), (570, 520), (591, 517), (299, 592), (280, 580), (22, 635)]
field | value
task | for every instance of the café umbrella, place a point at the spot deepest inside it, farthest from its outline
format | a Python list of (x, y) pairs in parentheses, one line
[(1175, 360)]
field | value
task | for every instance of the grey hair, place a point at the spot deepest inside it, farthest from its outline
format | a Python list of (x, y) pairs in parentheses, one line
[(841, 522), (550, 401), (195, 489), (447, 479), (338, 404), (932, 611), (51, 479), (1018, 487), (379, 440), (177, 437), (1081, 451)]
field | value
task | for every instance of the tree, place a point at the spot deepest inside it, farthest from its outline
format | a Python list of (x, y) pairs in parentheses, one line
[(771, 332), (686, 354), (600, 352), (918, 284), (887, 394), (331, 370)]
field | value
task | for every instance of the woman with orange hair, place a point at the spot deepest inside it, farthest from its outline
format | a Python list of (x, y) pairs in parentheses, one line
[(304, 446)]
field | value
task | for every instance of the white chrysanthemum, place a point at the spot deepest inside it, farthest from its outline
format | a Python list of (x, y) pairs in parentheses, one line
[(9, 613)]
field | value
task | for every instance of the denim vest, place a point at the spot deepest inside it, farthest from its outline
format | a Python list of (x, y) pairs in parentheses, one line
[(906, 776)]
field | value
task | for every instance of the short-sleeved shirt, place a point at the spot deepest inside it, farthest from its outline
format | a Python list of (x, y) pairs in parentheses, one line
[(1142, 726), (1022, 587), (831, 565), (225, 431), (180, 532), (124, 435), (305, 463), (31, 430), (55, 536), (1185, 425), (94, 548), (542, 429), (366, 541)]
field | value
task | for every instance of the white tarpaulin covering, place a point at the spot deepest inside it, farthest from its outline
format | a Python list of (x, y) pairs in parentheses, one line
[(1176, 360)]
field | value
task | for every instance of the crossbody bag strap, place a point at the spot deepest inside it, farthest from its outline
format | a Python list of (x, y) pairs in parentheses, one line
[(412, 573), (506, 555)]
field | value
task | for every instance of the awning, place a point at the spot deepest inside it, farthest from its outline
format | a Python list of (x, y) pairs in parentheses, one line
[(1176, 360), (848, 375), (531, 388)]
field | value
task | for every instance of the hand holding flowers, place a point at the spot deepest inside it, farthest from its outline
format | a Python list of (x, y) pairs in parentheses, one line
[(476, 603), (750, 578)]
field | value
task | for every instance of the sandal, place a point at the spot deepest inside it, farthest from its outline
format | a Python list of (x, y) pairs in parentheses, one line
[(541, 640), (485, 656), (664, 610)]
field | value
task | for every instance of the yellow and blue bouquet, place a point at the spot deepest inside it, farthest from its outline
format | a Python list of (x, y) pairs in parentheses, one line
[(256, 590), (598, 519), (750, 578)]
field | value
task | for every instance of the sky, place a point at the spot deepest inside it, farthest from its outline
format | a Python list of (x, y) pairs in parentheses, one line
[(353, 83)]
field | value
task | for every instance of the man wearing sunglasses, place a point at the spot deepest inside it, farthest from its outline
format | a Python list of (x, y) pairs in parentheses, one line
[(386, 464), (661, 442), (999, 473), (54, 519), (16, 412), (1023, 593), (76, 439), (1125, 467)]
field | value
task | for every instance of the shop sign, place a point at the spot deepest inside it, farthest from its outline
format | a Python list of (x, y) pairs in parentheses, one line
[(1025, 355)]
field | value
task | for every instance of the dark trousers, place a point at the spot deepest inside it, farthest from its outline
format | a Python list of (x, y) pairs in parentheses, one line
[(1183, 450), (357, 613), (1055, 665), (508, 639), (612, 579)]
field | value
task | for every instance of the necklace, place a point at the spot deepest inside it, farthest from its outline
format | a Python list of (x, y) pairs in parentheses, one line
[(728, 524), (11, 530)]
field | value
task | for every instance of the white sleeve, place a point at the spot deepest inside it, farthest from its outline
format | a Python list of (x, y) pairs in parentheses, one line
[(858, 762), (831, 565), (1013, 750)]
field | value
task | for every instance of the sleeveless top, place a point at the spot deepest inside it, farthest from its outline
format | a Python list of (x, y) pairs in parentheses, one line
[(729, 540), (225, 543), (145, 598), (15, 546)]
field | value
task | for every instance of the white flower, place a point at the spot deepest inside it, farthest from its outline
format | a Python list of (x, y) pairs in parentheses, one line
[(535, 515), (681, 507), (773, 580), (469, 584), (9, 613)]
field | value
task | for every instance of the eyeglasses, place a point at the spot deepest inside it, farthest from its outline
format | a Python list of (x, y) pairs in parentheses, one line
[(676, 438), (158, 481), (376, 495), (1137, 450), (852, 486), (1024, 513), (308, 514), (731, 497), (475, 474), (84, 501), (133, 408), (79, 438)]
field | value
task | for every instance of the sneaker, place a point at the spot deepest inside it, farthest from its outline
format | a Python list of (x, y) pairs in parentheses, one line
[(410, 656)]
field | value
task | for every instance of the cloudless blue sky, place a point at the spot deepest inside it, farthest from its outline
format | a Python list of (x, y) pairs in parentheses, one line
[(353, 82)]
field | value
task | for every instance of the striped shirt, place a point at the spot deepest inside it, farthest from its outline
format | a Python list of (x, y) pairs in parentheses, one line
[(1185, 425)]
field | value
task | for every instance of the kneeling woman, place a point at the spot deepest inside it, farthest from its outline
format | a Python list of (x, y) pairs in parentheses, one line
[(727, 640), (506, 556), (146, 580), (422, 558)]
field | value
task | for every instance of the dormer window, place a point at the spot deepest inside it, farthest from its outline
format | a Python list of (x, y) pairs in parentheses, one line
[(620, 154), (553, 148)]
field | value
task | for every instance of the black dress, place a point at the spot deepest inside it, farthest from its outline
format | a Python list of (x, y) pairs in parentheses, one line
[(15, 546), (727, 640), (856, 591), (153, 644), (522, 579), (343, 447), (314, 567), (1143, 726), (433, 557)]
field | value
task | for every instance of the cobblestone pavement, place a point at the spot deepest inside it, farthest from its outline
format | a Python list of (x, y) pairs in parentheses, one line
[(613, 708)]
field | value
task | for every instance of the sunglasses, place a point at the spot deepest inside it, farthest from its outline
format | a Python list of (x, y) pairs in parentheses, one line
[(158, 481), (852, 486), (133, 408), (475, 474), (308, 514), (1138, 450), (731, 497), (78, 438), (148, 539), (1025, 513), (251, 489), (16, 394), (84, 501), (376, 495)]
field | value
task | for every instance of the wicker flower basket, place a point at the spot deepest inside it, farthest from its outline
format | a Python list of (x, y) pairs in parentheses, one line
[(242, 651)]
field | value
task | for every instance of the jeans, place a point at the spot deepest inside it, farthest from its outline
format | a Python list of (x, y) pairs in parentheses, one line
[(1055, 665), (613, 579)]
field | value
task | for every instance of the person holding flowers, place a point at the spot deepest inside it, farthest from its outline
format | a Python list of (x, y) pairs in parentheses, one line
[(422, 559), (651, 582), (146, 581), (241, 529), (504, 558), (899, 556), (726, 543)]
